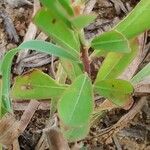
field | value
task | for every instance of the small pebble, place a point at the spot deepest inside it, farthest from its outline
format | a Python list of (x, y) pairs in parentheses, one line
[(22, 33), (21, 10), (10, 46)]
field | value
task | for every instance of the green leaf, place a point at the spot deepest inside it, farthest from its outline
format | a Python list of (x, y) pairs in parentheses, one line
[(56, 8), (111, 41), (36, 85), (40, 46), (74, 116), (83, 20), (115, 63), (145, 72), (6, 70), (84, 148), (50, 23), (67, 6), (118, 91), (137, 21), (1, 99), (49, 48), (76, 105), (76, 133), (0, 67), (72, 69)]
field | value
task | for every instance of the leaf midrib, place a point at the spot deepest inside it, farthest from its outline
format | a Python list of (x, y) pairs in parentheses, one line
[(45, 86), (78, 98), (111, 90)]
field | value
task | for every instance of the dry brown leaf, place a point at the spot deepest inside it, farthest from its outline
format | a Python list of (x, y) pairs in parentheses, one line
[(56, 139), (8, 130), (132, 68)]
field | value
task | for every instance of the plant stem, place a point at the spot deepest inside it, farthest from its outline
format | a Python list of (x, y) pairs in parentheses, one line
[(84, 53), (85, 60)]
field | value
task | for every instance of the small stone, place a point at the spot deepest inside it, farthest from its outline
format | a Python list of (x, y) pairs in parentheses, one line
[(22, 33), (18, 3), (10, 46), (21, 10)]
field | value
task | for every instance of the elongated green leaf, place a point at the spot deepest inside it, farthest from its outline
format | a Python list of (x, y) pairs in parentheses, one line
[(83, 20), (6, 69), (56, 8), (145, 72), (1, 99), (118, 91), (72, 69), (49, 48), (137, 21), (111, 41), (50, 23), (115, 63), (67, 6), (76, 104), (36, 85), (7, 61)]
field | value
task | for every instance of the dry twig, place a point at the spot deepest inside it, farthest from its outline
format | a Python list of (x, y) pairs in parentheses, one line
[(9, 26), (116, 141), (18, 3), (55, 138), (27, 115), (107, 133), (10, 128), (89, 6), (31, 33), (118, 4), (22, 105), (133, 67)]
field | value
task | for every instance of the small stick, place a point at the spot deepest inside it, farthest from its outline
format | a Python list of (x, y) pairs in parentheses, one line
[(118, 146), (124, 120), (27, 115), (10, 29), (56, 139), (22, 105), (118, 4), (31, 33), (142, 52), (16, 145), (89, 6)]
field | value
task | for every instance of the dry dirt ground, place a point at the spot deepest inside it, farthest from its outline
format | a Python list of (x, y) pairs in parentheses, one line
[(136, 136)]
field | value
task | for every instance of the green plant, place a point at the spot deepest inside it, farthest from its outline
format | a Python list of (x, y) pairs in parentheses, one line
[(75, 102)]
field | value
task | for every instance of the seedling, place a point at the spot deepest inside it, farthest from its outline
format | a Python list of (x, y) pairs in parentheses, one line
[(64, 22)]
